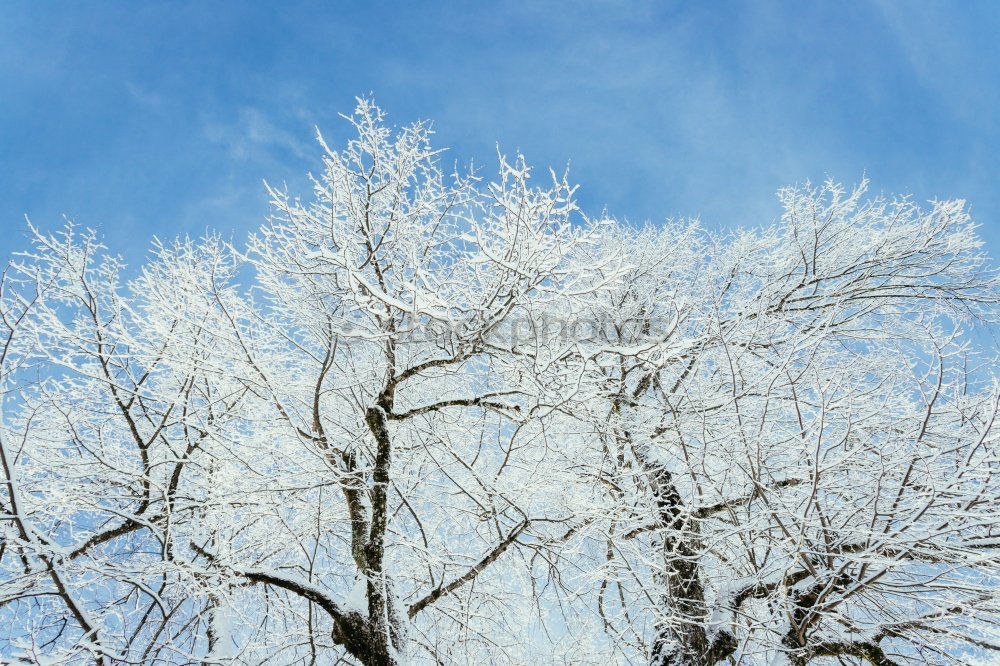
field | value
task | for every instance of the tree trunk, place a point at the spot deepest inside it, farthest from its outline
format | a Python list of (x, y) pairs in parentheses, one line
[(684, 641)]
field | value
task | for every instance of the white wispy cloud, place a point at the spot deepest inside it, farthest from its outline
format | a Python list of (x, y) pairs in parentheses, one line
[(251, 134)]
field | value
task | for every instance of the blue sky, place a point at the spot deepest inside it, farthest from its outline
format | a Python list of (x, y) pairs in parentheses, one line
[(143, 118)]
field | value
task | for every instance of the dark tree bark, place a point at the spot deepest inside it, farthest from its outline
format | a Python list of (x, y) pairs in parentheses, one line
[(684, 642)]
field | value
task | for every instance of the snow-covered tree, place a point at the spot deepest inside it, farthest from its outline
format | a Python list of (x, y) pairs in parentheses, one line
[(454, 420), (802, 458)]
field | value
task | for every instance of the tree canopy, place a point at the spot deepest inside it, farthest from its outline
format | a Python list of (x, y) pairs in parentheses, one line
[(454, 420)]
